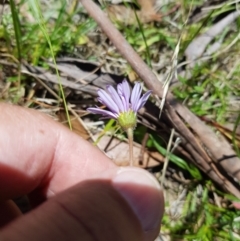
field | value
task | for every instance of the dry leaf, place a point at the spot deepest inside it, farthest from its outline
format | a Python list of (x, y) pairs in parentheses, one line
[(118, 151), (77, 127), (126, 15)]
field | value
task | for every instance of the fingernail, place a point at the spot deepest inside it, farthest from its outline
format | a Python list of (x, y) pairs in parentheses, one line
[(143, 193)]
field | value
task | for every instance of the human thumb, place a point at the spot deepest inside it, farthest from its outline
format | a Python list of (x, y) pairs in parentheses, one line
[(125, 204)]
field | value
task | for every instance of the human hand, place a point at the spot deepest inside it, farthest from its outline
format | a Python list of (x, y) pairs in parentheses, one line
[(78, 192)]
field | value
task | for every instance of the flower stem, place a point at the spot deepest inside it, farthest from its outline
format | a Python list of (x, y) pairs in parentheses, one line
[(130, 141)]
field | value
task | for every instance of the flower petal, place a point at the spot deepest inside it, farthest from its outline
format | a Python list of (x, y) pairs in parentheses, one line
[(115, 97), (126, 89), (104, 113), (136, 93), (143, 100), (117, 101), (120, 89), (124, 93), (106, 100)]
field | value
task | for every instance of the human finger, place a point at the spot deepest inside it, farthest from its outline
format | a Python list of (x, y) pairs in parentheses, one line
[(123, 205), (37, 153)]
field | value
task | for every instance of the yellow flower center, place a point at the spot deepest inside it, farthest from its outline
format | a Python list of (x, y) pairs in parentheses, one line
[(127, 120)]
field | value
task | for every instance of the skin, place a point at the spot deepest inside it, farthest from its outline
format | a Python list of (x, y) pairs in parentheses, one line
[(76, 191)]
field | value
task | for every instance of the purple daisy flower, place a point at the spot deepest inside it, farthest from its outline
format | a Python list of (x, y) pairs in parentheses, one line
[(122, 104)]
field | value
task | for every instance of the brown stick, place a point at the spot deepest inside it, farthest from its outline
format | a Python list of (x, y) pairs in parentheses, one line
[(220, 149)]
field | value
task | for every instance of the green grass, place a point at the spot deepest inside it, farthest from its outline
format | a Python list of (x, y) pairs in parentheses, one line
[(201, 220), (213, 90)]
